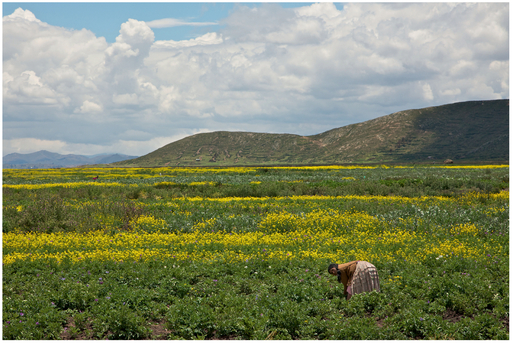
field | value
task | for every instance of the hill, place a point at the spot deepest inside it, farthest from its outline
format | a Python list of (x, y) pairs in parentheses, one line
[(46, 159), (472, 131)]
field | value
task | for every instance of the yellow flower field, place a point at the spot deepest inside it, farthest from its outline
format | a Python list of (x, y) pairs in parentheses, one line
[(319, 234)]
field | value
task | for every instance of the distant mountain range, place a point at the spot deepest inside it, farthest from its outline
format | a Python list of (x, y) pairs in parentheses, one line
[(472, 131), (46, 159)]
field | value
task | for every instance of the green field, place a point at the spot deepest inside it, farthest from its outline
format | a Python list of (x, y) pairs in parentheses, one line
[(242, 253)]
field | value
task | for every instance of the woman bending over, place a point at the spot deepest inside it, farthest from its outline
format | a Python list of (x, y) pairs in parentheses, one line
[(356, 276)]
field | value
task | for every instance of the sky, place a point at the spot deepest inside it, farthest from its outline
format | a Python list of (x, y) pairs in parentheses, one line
[(129, 78)]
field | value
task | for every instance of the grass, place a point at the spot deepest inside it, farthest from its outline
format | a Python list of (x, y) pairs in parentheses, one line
[(242, 253)]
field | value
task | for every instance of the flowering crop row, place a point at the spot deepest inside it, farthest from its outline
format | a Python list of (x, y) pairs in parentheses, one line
[(95, 184), (470, 198), (466, 198), (229, 248), (320, 234), (144, 173)]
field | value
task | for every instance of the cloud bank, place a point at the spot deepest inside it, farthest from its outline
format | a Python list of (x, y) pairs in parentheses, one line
[(269, 69)]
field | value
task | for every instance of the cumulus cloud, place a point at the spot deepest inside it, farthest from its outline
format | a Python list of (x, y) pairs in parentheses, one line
[(269, 69), (19, 13), (273, 24), (125, 57)]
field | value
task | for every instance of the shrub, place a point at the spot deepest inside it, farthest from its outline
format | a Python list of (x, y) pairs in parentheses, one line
[(47, 214)]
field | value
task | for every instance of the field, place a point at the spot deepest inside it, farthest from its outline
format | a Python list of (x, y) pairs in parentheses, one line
[(242, 253)]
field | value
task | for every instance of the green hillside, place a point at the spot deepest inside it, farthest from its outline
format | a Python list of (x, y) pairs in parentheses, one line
[(473, 131)]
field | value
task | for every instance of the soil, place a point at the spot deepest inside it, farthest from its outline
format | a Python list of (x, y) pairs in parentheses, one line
[(452, 316), (158, 330)]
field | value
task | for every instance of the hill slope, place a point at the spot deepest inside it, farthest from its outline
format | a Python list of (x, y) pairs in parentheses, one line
[(467, 131)]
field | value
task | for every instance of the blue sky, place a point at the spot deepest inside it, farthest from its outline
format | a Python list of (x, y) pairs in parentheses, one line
[(92, 78), (105, 18)]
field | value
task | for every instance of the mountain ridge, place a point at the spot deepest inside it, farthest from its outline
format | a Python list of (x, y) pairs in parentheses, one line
[(47, 159), (468, 131)]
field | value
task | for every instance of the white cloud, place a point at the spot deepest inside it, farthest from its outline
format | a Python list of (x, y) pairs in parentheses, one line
[(450, 92), (325, 10), (27, 88), (269, 69), (135, 33), (20, 13), (206, 39), (89, 107), (427, 92), (172, 22)]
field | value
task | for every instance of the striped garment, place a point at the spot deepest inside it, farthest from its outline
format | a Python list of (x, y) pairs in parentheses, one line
[(366, 278)]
